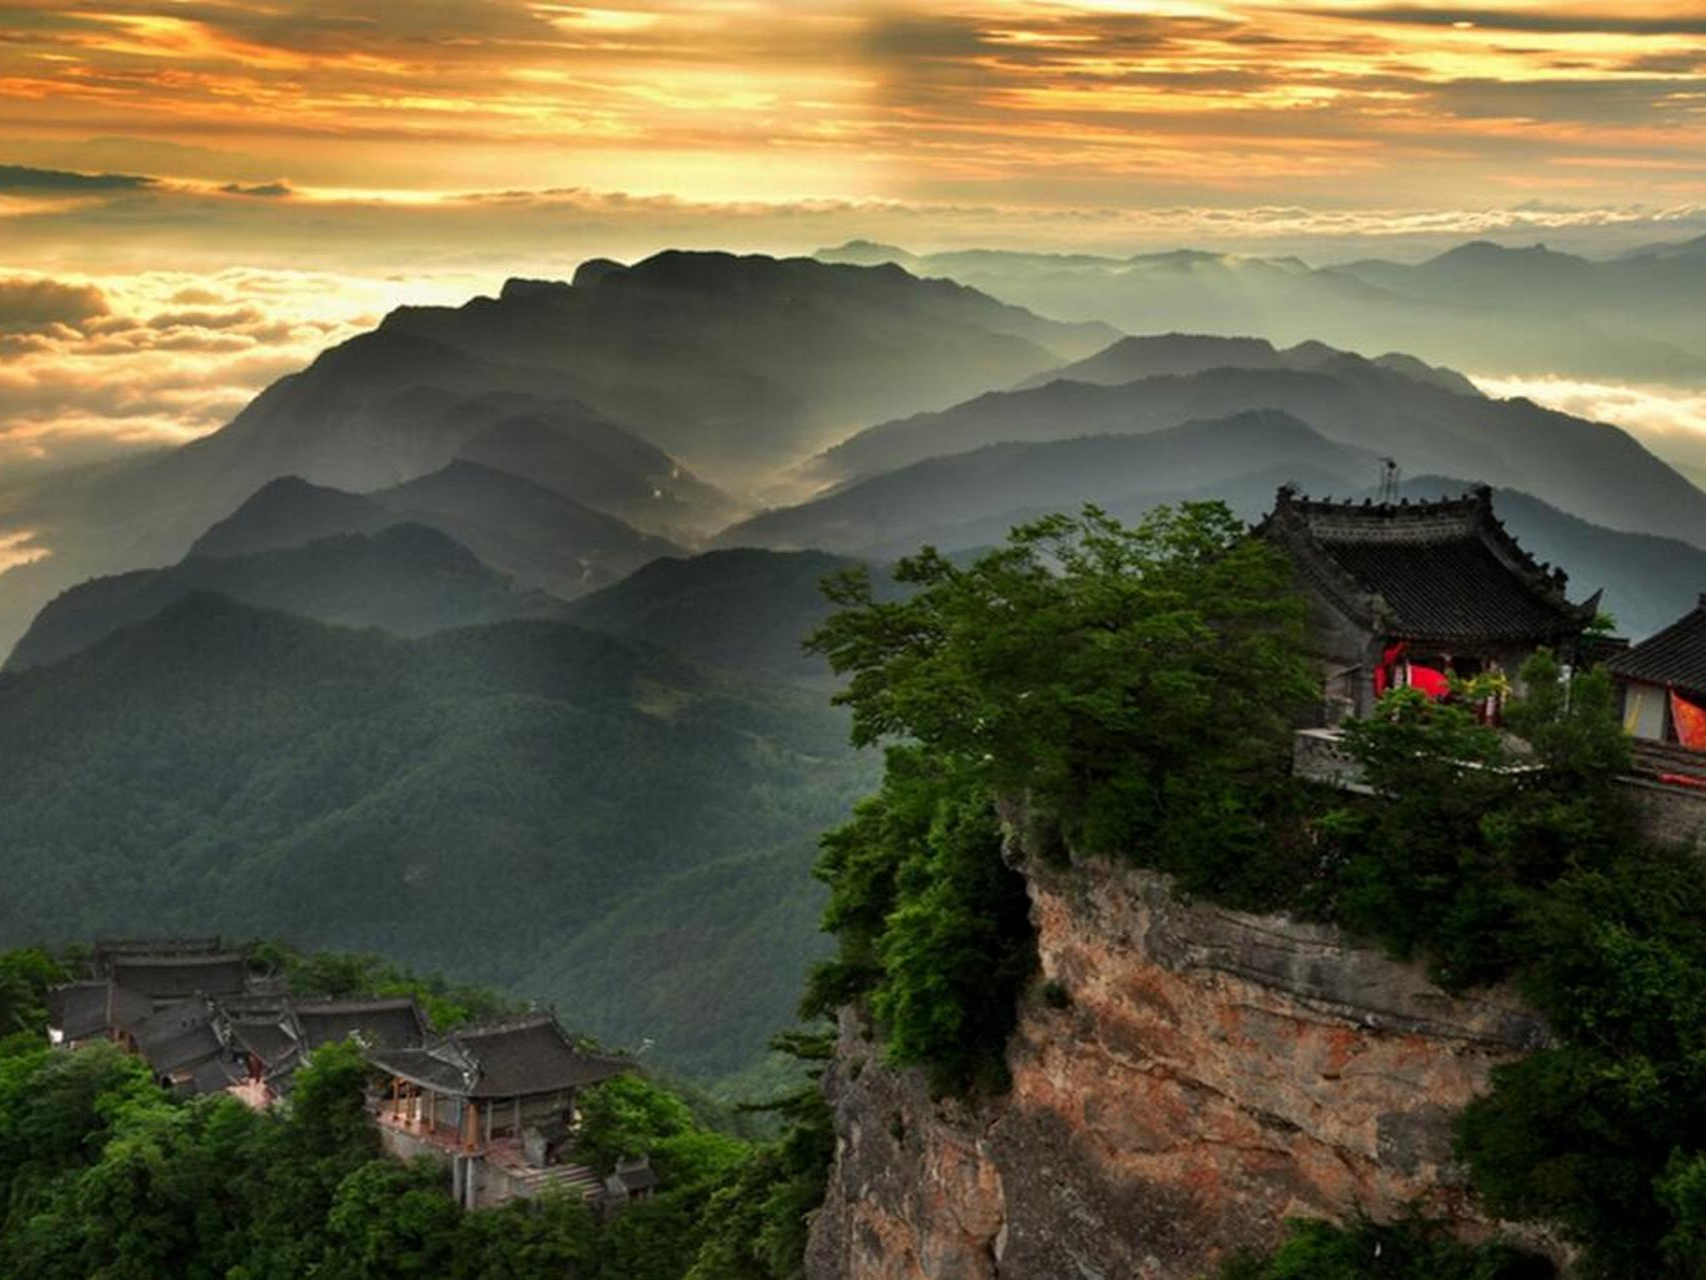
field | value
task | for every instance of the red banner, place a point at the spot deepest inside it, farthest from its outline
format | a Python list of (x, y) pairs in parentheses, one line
[(1690, 721)]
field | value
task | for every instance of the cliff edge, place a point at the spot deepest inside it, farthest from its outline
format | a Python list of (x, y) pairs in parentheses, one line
[(1198, 1076)]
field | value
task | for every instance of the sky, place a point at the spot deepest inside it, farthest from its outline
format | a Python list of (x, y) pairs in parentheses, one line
[(197, 194)]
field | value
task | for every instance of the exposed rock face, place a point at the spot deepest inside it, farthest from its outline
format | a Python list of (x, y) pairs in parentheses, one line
[(1214, 1074)]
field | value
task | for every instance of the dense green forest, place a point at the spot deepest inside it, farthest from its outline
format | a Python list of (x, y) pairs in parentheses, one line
[(479, 801), (408, 578), (1126, 692), (104, 1175), (1087, 689)]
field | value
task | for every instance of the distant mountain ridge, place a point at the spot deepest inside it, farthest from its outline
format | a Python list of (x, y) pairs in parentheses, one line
[(1482, 306), (1590, 469), (740, 364), (1182, 354), (960, 499), (406, 578), (734, 361), (533, 534)]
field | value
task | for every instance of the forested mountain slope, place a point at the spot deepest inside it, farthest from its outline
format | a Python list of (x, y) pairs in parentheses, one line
[(407, 578), (745, 610), (466, 802)]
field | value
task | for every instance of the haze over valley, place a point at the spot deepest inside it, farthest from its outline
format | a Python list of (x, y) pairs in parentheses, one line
[(601, 509), (772, 539)]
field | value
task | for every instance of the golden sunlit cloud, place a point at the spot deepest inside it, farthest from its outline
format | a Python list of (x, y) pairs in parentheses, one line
[(909, 99), (19, 546)]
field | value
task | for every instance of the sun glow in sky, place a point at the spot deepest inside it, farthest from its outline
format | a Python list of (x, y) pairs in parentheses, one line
[(1014, 101), (379, 147)]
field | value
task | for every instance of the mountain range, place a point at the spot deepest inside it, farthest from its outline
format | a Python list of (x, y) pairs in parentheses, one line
[(1591, 469), (1480, 306), (446, 645), (614, 390), (971, 498), (406, 578), (470, 801)]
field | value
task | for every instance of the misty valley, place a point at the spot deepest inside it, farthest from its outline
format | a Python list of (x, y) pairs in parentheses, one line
[(1131, 764)]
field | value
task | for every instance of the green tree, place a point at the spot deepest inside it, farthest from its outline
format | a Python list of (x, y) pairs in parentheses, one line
[(756, 1222), (1086, 666), (25, 977), (328, 1114), (1470, 825), (389, 1221), (1131, 690), (1404, 1250), (627, 1116)]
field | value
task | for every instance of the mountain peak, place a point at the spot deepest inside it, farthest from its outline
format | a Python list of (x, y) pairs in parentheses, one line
[(519, 287), (287, 512), (594, 271), (1477, 252)]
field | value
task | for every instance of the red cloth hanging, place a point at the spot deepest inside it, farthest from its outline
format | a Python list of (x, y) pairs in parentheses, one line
[(1383, 673), (1436, 684), (1690, 721)]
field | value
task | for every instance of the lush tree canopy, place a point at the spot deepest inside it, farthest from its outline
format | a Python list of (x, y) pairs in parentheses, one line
[(1130, 689), (103, 1176), (1114, 677), (1364, 1250)]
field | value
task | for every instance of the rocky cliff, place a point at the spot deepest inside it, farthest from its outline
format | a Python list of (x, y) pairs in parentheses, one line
[(1196, 1077)]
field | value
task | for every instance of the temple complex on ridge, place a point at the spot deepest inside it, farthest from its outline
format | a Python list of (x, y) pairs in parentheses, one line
[(494, 1103)]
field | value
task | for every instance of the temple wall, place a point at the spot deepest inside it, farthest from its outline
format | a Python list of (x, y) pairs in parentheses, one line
[(1671, 814)]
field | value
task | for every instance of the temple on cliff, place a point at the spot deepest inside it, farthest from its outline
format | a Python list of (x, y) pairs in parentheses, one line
[(1417, 593)]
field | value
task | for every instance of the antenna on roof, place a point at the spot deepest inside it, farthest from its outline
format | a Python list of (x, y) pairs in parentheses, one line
[(1389, 477)]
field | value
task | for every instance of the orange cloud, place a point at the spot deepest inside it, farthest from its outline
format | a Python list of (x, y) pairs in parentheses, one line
[(859, 99)]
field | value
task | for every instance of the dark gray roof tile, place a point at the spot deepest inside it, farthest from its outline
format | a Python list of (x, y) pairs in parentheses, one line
[(1673, 657), (169, 977), (515, 1057), (178, 1036), (1442, 571), (85, 1010), (377, 1024)]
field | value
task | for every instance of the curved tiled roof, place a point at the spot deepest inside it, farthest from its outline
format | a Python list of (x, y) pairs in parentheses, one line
[(270, 1040), (513, 1058), (379, 1024), (84, 1010), (1675, 656), (1443, 571), (171, 977), (178, 1036)]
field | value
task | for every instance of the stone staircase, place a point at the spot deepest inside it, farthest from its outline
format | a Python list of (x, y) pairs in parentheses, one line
[(568, 1178)]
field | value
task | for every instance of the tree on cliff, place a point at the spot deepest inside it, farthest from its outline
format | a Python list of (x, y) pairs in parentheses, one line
[(1132, 688), (1109, 676)]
